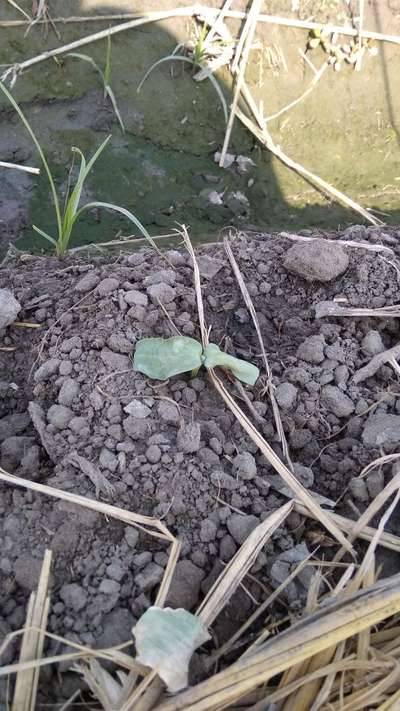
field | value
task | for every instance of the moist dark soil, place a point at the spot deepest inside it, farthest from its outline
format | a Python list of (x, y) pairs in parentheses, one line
[(76, 416)]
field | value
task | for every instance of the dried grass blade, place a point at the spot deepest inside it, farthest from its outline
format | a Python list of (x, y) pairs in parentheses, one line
[(332, 624), (270, 385), (32, 642), (239, 565), (23, 168)]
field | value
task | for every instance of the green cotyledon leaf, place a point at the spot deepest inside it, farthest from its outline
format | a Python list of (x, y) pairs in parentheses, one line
[(241, 369), (160, 358)]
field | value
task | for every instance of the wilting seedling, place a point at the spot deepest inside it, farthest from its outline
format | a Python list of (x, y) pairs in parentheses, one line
[(160, 358)]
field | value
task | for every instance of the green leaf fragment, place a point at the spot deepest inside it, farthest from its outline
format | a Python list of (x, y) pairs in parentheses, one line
[(165, 641), (160, 358), (241, 369)]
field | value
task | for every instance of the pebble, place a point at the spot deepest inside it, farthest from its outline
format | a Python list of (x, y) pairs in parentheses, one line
[(109, 587), (68, 392), (336, 401), (208, 531), (223, 480), (9, 308), (70, 344), (375, 483), (286, 395), (372, 343), (244, 466), (381, 429), (115, 571), (46, 370), (318, 260), (153, 454), (131, 536), (358, 489), (312, 350), (151, 575), (73, 596), (136, 298), (240, 526), (59, 416), (168, 412), (107, 286), (87, 283), (162, 292), (137, 409), (115, 361), (185, 586), (188, 438)]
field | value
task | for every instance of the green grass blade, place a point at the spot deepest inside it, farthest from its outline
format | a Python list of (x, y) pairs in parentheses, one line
[(113, 100), (41, 154), (126, 213), (73, 200), (170, 58), (218, 89), (107, 68), (46, 236)]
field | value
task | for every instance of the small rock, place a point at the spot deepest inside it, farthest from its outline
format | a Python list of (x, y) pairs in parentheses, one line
[(188, 438), (12, 425), (185, 586), (358, 489), (381, 429), (73, 596), (109, 587), (137, 409), (107, 286), (244, 466), (153, 454), (224, 481), (115, 571), (375, 483), (108, 460), (240, 526), (208, 531), (161, 292), (312, 350), (372, 343), (304, 475), (59, 416), (318, 260), (131, 536), (14, 449), (115, 361), (136, 298), (209, 266), (65, 367), (9, 308), (119, 344), (137, 429), (68, 392), (117, 628), (46, 370), (164, 276), (227, 548), (168, 412), (151, 575), (70, 344), (336, 401), (87, 283), (27, 571), (286, 395)]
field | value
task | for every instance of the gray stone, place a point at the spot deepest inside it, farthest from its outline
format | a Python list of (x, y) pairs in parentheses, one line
[(74, 596), (68, 392), (188, 438), (14, 449), (240, 526), (136, 298), (108, 460), (131, 536), (304, 475), (168, 412), (59, 416), (358, 489), (12, 425), (27, 571), (381, 429), (223, 480), (209, 266), (161, 292), (227, 548), (151, 575), (9, 308), (164, 276), (115, 571), (137, 409), (70, 344), (185, 586), (372, 343), (119, 343), (115, 361), (137, 429), (65, 367), (153, 454), (117, 629), (318, 260), (208, 531), (375, 483), (244, 466), (286, 395), (46, 370), (107, 286), (87, 283), (283, 566), (312, 350), (109, 587), (336, 401)]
